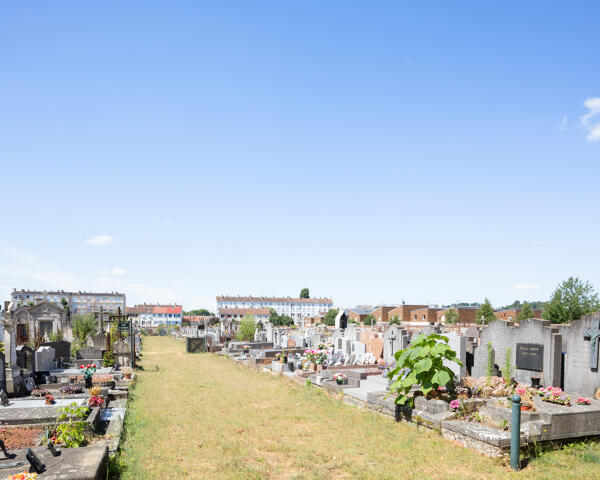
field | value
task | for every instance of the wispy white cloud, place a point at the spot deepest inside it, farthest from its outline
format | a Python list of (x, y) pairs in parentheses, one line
[(117, 271), (532, 286), (593, 128), (104, 279), (99, 240)]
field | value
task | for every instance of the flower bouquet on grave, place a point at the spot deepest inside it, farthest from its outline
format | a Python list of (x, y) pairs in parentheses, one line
[(584, 401), (95, 401), (340, 378), (70, 389), (49, 399), (39, 392), (88, 371), (22, 476), (555, 395), (246, 348), (320, 356)]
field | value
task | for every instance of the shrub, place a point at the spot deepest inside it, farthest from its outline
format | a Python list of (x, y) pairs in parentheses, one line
[(422, 363), (247, 329), (72, 433)]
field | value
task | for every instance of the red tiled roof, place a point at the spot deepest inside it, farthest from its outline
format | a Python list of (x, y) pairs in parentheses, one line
[(244, 311), (196, 318), (176, 309), (274, 299)]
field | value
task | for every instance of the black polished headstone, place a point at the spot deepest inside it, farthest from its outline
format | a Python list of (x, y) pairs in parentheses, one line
[(530, 356), (36, 464)]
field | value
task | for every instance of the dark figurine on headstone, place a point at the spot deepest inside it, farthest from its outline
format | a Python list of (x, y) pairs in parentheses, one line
[(36, 465), (5, 451), (3, 398)]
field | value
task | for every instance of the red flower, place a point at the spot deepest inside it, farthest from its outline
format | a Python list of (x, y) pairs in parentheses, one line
[(93, 365), (88, 366), (81, 366)]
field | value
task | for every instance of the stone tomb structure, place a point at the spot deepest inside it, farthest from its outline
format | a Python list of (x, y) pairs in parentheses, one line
[(394, 338), (535, 350)]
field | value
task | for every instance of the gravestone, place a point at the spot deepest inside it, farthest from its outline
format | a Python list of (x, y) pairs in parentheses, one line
[(89, 353), (4, 398), (62, 349), (358, 348), (44, 359), (2, 374), (530, 356), (394, 338), (25, 358), (458, 343), (582, 374), (195, 345), (19, 386), (375, 347)]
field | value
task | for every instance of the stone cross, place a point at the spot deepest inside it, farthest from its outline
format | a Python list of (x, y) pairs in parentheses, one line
[(392, 338), (594, 335)]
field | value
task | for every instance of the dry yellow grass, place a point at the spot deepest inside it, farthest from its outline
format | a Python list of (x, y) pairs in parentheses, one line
[(203, 416)]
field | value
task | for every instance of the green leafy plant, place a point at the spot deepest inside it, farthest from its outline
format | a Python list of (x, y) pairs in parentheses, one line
[(56, 337), (503, 424), (508, 369), (72, 433), (490, 363), (108, 360), (422, 363), (247, 329)]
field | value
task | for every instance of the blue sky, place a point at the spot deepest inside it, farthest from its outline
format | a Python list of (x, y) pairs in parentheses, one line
[(372, 151)]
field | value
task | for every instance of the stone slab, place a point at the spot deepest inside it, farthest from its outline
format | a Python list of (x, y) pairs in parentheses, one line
[(87, 463)]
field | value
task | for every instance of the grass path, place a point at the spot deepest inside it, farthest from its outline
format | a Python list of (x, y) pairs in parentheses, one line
[(204, 416)]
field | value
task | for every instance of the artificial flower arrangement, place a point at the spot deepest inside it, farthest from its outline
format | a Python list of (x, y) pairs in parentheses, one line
[(584, 401), (316, 356), (340, 378), (88, 370), (554, 395), (526, 401), (22, 476), (455, 405), (95, 401), (69, 389), (39, 392), (246, 348), (49, 399)]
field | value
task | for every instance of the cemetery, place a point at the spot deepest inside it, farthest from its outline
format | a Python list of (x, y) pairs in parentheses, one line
[(552, 368), (61, 410)]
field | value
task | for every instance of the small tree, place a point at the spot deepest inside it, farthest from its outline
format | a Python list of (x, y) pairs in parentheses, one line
[(329, 318), (570, 301), (395, 320), (369, 319), (246, 329), (526, 312), (508, 368), (304, 293), (423, 364), (451, 316), (84, 325), (486, 311)]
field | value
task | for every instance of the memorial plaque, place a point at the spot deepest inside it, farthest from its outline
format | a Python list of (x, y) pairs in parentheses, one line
[(530, 356)]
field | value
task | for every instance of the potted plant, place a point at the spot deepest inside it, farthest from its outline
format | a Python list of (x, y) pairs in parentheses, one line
[(88, 371), (526, 401), (49, 399), (246, 349), (127, 372), (283, 356)]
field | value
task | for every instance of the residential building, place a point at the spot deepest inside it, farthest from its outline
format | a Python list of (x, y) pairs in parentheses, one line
[(512, 314), (79, 302), (155, 315), (424, 315), (359, 313), (402, 312), (381, 313), (295, 308), (237, 314), (465, 315)]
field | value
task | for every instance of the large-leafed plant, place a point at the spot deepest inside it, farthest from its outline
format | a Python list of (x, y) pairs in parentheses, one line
[(422, 364)]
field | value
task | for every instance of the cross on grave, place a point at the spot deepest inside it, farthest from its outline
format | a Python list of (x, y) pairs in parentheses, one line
[(392, 338), (594, 335)]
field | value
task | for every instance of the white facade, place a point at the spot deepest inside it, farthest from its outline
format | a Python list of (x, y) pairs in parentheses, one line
[(79, 302), (295, 308)]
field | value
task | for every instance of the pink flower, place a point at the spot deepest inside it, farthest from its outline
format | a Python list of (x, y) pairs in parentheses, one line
[(521, 391), (454, 404)]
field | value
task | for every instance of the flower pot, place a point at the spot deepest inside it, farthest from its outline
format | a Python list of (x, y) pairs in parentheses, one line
[(320, 367), (313, 367), (526, 408), (128, 376), (88, 382)]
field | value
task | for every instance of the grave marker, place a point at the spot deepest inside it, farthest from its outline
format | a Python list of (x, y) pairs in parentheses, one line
[(530, 356)]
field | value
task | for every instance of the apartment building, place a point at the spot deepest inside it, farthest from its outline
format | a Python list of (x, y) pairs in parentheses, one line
[(155, 315), (80, 303), (295, 308)]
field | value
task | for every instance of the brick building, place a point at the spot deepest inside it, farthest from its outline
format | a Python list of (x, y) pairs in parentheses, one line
[(511, 315), (402, 312)]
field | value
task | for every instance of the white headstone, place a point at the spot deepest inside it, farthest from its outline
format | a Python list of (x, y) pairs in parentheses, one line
[(44, 359)]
